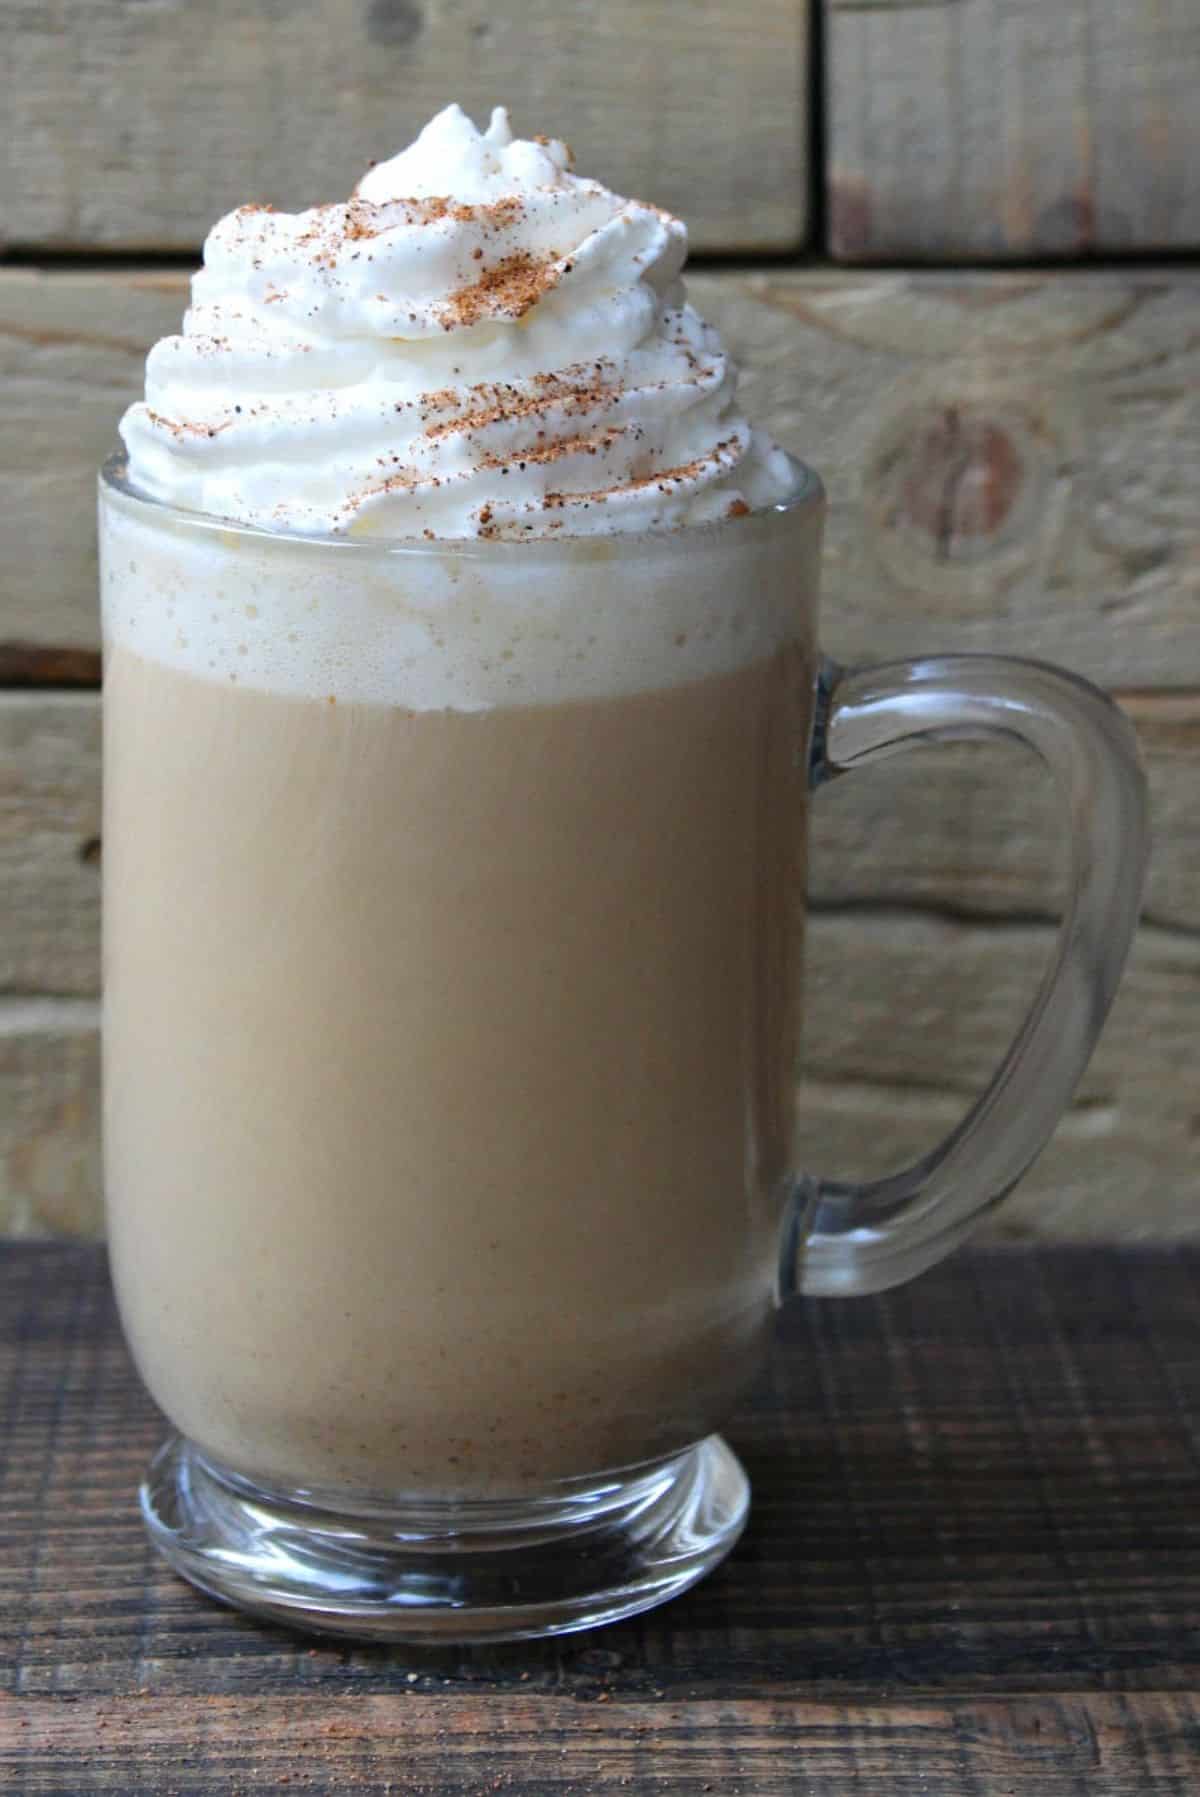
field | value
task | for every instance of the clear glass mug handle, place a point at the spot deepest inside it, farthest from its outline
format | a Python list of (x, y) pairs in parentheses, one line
[(842, 1239)]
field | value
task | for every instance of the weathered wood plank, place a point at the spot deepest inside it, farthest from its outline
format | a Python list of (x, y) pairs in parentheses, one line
[(1012, 461), (979, 829), (135, 126), (72, 349), (906, 1014), (1005, 128), (49, 842), (49, 1117), (1104, 1745)]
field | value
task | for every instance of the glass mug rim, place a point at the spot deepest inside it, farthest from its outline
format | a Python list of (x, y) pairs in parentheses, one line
[(806, 495)]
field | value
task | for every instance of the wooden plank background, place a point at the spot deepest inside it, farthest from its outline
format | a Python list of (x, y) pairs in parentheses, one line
[(1013, 461), (1000, 129), (133, 126)]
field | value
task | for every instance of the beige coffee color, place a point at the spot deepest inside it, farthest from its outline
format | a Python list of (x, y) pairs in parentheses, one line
[(447, 1099), (450, 1046)]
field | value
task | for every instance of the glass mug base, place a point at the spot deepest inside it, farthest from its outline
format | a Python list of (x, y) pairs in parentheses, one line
[(451, 1571)]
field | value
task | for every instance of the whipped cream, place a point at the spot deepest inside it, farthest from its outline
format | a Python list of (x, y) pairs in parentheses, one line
[(477, 343)]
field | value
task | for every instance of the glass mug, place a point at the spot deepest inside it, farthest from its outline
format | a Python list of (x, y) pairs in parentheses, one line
[(452, 924)]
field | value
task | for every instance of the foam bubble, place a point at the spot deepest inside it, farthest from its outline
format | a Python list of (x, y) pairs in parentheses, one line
[(453, 626)]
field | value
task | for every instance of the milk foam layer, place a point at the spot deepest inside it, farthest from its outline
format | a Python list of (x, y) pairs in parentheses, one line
[(464, 627), (477, 343)]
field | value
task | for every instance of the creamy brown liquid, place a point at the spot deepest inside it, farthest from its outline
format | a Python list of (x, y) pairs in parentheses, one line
[(449, 1064)]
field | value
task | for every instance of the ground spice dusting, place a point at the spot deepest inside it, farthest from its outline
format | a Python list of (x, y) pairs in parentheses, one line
[(665, 479), (182, 427), (501, 409), (361, 221), (403, 482), (509, 289), (553, 452), (468, 430)]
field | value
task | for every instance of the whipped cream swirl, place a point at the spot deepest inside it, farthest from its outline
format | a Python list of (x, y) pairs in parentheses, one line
[(477, 343)]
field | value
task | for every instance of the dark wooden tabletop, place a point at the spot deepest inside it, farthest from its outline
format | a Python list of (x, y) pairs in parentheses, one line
[(973, 1567)]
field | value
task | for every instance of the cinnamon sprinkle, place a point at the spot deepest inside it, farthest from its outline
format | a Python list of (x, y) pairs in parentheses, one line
[(183, 427), (552, 452), (361, 221), (666, 479), (403, 482), (573, 400), (367, 218), (509, 289)]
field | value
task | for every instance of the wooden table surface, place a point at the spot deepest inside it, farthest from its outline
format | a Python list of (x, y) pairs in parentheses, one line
[(973, 1568)]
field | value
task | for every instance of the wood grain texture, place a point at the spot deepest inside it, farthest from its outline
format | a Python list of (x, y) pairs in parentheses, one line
[(977, 829), (1012, 461), (50, 842), (1010, 128), (49, 1117), (906, 1016), (72, 351), (135, 125), (1079, 1746), (972, 1566)]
